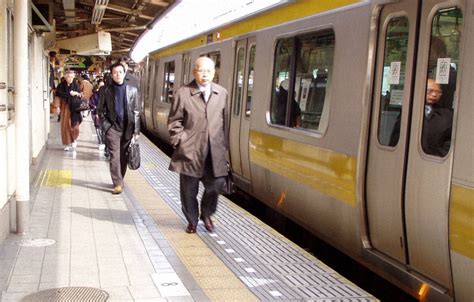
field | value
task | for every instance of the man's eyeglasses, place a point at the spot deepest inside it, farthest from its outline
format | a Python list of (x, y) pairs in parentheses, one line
[(434, 91), (203, 71)]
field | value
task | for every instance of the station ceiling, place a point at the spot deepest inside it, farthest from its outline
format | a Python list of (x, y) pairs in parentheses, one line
[(123, 19)]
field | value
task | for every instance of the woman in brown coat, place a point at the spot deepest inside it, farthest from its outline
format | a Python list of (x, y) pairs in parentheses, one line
[(69, 90)]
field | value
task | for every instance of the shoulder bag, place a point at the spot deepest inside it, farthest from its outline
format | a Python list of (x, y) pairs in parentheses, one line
[(79, 104)]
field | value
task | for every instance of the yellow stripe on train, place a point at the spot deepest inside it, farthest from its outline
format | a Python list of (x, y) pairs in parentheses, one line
[(326, 171), (462, 220), (286, 13)]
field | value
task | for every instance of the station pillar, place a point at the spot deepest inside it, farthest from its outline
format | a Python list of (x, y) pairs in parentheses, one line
[(22, 134)]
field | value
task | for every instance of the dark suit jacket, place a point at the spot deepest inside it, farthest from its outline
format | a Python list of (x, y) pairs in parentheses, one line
[(106, 110), (194, 126), (437, 126)]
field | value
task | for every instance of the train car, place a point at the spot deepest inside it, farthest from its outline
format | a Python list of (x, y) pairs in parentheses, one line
[(331, 125)]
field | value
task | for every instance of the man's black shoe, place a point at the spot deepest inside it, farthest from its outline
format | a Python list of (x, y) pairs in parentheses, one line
[(208, 224), (190, 229)]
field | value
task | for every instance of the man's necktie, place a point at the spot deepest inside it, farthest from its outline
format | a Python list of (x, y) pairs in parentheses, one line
[(205, 95)]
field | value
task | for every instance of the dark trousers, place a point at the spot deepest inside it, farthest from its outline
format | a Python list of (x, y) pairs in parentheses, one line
[(117, 146), (189, 187)]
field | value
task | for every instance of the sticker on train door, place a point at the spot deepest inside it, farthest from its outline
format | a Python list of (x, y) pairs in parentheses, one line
[(442, 70), (394, 78)]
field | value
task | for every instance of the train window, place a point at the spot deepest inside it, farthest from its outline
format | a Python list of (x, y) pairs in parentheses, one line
[(168, 83), (216, 57), (148, 76), (303, 70), (239, 80), (248, 104), (154, 91), (184, 76), (393, 81), (443, 65), (282, 67)]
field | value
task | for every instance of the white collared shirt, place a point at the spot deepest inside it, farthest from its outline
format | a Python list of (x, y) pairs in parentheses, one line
[(206, 90)]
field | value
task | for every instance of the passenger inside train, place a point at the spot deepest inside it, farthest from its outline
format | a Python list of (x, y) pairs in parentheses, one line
[(281, 104), (312, 75), (437, 122)]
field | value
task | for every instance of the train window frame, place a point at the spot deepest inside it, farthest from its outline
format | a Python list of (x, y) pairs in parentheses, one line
[(448, 97), (386, 106), (154, 78), (186, 70), (239, 76), (146, 87), (184, 62), (324, 48), (141, 76), (250, 79), (168, 83)]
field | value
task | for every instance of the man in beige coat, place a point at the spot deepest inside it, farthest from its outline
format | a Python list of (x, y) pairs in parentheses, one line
[(198, 124)]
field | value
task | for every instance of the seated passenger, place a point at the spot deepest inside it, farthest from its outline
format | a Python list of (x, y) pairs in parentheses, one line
[(281, 103), (437, 122)]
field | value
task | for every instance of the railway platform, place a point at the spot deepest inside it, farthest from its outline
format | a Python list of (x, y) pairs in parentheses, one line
[(85, 244)]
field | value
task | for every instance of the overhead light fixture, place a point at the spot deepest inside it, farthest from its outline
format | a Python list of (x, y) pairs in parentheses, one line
[(98, 11)]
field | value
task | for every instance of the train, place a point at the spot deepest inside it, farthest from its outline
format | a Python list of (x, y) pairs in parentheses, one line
[(329, 126)]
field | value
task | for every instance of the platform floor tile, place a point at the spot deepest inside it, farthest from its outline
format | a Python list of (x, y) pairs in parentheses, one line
[(102, 240), (207, 269), (270, 266), (133, 245)]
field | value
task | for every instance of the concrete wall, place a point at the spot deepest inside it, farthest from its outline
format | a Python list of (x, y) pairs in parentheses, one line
[(3, 102), (38, 117)]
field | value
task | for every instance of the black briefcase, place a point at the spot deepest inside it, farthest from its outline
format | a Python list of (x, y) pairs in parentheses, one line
[(229, 186), (133, 156)]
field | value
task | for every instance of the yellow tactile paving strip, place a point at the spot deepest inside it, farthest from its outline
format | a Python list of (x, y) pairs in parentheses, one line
[(217, 281), (55, 178)]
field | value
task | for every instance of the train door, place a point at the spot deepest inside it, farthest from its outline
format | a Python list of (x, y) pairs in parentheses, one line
[(407, 185), (241, 106), (433, 130)]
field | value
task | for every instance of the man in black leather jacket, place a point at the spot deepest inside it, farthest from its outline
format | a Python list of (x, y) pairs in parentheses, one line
[(119, 110)]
